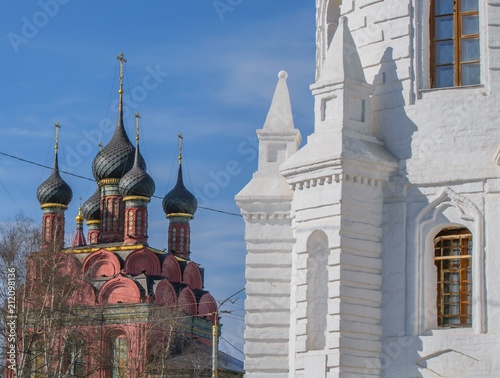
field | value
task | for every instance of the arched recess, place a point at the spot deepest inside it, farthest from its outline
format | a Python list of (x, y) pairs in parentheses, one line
[(192, 276), (187, 301), (82, 295), (75, 354), (120, 289), (207, 308), (117, 352), (165, 294), (448, 209), (101, 264), (328, 15), (143, 261), (317, 290), (171, 269), (68, 265)]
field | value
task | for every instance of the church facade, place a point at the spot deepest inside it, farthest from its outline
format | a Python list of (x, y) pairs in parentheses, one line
[(111, 305), (372, 248)]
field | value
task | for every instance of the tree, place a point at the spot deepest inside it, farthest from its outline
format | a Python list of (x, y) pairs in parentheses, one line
[(55, 328), (39, 324), (18, 239)]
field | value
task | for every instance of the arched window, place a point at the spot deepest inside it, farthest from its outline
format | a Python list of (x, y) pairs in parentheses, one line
[(75, 356), (317, 290), (328, 20), (455, 49), (453, 259), (119, 352), (37, 359)]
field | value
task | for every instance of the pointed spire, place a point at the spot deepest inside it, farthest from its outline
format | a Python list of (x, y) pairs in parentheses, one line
[(342, 59), (180, 200), (56, 149), (55, 189), (136, 182), (122, 60), (117, 157), (79, 239), (136, 157), (280, 113)]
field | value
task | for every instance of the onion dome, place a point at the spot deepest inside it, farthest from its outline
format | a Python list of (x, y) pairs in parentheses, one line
[(179, 199), (91, 207), (117, 157), (54, 189), (137, 182)]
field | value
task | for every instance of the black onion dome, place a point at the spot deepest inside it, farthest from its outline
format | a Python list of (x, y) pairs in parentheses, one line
[(91, 207), (54, 189), (117, 157), (137, 182), (179, 199)]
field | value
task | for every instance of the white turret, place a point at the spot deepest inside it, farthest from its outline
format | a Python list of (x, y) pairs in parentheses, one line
[(265, 205)]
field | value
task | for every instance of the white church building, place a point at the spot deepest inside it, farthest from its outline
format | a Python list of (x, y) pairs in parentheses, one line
[(374, 247)]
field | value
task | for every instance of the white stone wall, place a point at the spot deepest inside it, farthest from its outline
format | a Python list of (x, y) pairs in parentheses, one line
[(265, 204), (379, 217)]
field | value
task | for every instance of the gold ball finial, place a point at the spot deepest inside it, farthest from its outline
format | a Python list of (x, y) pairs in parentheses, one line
[(79, 218)]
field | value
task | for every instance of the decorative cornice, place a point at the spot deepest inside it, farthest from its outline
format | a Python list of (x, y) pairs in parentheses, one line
[(336, 178), (91, 222), (136, 198), (182, 215), (55, 205), (114, 248), (263, 216), (108, 181)]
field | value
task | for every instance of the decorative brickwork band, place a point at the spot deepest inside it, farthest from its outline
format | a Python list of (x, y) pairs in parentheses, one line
[(94, 228), (179, 236), (53, 227), (136, 220), (112, 214)]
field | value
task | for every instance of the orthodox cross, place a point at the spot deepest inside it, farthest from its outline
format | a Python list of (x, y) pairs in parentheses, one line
[(122, 60), (57, 136), (180, 148), (137, 116)]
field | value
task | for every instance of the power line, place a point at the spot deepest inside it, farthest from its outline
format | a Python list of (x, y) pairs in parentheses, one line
[(90, 179), (223, 338)]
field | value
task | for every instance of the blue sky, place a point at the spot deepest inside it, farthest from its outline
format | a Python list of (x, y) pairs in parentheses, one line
[(203, 68)]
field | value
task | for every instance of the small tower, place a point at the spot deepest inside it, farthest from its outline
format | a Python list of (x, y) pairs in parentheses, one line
[(179, 206), (137, 188), (338, 179), (265, 203), (54, 195), (108, 167), (91, 213), (79, 239)]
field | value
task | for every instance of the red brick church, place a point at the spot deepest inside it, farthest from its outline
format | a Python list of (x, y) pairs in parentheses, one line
[(110, 305)]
